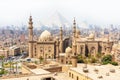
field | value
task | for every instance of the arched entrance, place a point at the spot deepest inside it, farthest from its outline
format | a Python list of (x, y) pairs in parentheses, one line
[(92, 51), (48, 78)]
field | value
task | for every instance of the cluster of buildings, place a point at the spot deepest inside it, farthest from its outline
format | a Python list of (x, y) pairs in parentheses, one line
[(11, 51), (62, 48)]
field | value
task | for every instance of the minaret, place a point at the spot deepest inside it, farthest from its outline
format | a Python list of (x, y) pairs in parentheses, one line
[(61, 40), (74, 28), (74, 46), (74, 61), (108, 37), (57, 49), (30, 37)]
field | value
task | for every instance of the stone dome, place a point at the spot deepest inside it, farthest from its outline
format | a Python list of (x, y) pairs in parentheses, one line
[(115, 46), (92, 35), (68, 50), (45, 36), (78, 32)]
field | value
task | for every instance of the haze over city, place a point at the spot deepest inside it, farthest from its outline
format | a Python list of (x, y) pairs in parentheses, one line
[(100, 12)]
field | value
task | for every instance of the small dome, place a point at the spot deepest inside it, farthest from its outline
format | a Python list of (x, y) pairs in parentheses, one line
[(45, 36), (91, 35), (78, 31), (57, 38), (115, 46), (68, 50)]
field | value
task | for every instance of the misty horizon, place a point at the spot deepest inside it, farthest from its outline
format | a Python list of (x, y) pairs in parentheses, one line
[(103, 13)]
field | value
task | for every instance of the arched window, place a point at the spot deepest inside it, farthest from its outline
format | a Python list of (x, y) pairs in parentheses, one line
[(92, 50), (69, 74), (77, 78), (72, 75)]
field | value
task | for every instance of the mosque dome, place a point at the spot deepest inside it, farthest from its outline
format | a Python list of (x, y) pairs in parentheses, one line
[(78, 31), (45, 36), (68, 50), (115, 46), (92, 36)]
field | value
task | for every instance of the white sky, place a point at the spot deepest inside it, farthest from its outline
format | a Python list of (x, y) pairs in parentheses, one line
[(16, 12)]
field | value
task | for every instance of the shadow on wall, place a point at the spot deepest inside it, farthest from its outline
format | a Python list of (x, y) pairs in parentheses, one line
[(48, 78)]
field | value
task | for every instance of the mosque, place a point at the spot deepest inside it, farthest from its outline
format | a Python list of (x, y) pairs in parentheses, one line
[(49, 47)]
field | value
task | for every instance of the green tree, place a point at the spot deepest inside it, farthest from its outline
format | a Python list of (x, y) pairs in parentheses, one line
[(11, 64), (41, 59), (93, 60), (114, 63), (2, 70), (80, 59), (106, 59), (2, 58)]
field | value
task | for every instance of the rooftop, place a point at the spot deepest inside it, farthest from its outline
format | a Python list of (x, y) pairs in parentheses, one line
[(39, 71), (102, 71), (59, 76)]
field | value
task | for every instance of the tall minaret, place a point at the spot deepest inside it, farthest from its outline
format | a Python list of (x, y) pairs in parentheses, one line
[(74, 28), (74, 46), (61, 40), (30, 37)]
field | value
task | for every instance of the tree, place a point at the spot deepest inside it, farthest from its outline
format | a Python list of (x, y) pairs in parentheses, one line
[(114, 63), (41, 59), (93, 60), (2, 69), (2, 58), (11, 64), (80, 59), (106, 59)]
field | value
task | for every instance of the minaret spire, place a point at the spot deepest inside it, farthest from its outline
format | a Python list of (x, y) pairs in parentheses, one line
[(61, 33), (61, 40), (74, 22), (74, 27), (74, 46), (30, 27), (30, 22)]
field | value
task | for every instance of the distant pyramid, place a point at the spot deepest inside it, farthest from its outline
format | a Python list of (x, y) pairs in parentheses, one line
[(57, 20)]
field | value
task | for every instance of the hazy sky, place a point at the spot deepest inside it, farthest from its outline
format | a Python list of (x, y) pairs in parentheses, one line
[(16, 12)]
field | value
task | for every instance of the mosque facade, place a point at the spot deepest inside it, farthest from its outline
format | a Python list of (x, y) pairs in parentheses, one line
[(49, 47)]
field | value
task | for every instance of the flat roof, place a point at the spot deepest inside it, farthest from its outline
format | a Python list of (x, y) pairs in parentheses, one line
[(39, 71), (103, 69), (59, 76)]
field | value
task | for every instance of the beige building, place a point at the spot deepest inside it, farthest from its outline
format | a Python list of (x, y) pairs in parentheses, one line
[(48, 46), (90, 45), (4, 53), (94, 72), (85, 46), (116, 52), (14, 50)]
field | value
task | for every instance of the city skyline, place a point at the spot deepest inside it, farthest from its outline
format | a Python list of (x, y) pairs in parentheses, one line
[(93, 12)]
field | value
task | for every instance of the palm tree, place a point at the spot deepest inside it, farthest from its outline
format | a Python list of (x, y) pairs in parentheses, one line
[(2, 58), (11, 63), (16, 67)]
